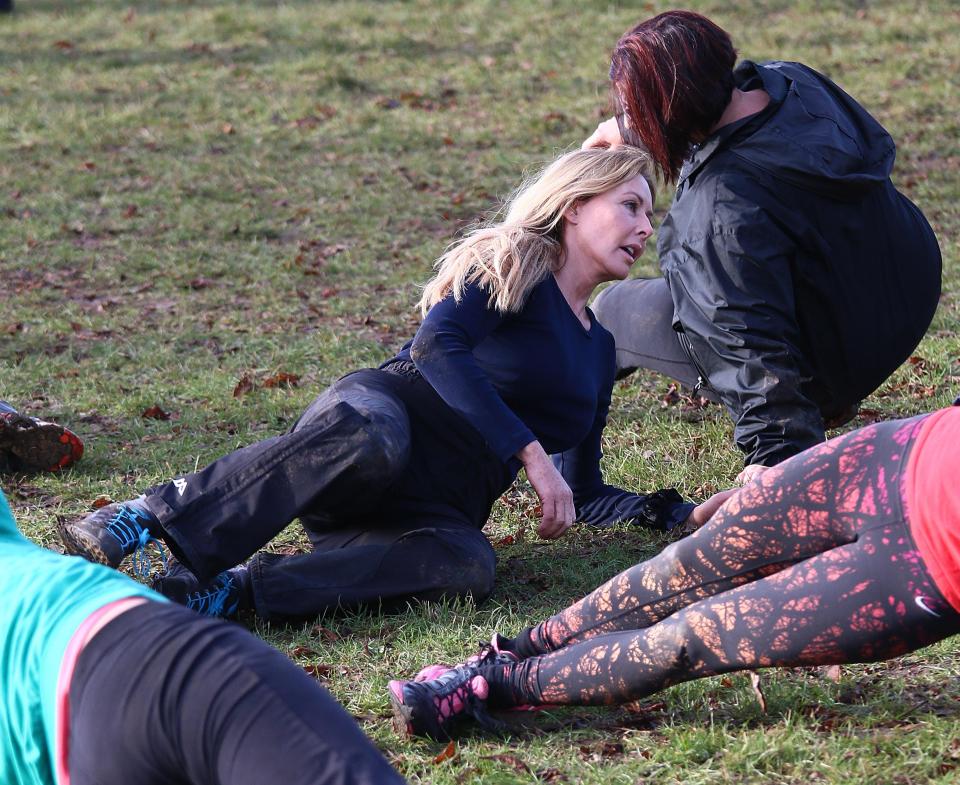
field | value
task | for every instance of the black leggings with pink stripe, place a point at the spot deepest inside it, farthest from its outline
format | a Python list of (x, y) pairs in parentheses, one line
[(813, 563)]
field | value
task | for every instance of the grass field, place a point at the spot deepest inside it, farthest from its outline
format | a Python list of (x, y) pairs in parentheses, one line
[(200, 198)]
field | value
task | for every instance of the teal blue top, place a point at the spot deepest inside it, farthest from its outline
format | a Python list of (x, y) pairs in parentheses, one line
[(44, 597)]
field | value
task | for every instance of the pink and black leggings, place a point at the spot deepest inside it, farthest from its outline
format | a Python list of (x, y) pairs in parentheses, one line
[(811, 564)]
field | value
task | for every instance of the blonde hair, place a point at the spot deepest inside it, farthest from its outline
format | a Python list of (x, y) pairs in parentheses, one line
[(510, 257)]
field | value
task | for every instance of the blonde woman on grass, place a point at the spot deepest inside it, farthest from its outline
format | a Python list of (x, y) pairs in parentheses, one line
[(393, 471)]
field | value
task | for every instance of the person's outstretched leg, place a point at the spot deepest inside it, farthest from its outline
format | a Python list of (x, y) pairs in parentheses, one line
[(346, 450), (821, 499), (162, 695), (865, 601)]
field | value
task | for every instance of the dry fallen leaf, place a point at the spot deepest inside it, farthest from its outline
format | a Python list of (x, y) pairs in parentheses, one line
[(317, 671), (282, 379), (450, 751), (510, 760), (244, 386), (155, 413), (326, 633)]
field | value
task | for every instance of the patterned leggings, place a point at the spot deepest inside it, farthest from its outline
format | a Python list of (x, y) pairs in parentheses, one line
[(811, 564)]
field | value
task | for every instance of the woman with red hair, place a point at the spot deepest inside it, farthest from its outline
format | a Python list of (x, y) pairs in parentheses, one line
[(796, 277)]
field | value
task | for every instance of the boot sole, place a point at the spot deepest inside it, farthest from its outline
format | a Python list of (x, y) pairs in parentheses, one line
[(79, 544), (41, 446), (402, 714)]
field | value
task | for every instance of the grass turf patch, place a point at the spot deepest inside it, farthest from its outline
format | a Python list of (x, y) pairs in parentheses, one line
[(200, 197)]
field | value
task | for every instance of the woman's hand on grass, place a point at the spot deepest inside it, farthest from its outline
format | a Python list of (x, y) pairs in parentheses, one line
[(556, 498)]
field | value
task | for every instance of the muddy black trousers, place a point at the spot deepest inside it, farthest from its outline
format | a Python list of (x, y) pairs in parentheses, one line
[(392, 487)]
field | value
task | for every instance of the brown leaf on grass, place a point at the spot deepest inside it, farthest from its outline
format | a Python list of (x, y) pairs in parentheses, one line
[(510, 760), (155, 413), (63, 45), (326, 633), (244, 386), (503, 542), (317, 671), (671, 398), (833, 672), (303, 651), (201, 283), (597, 752), (13, 328), (324, 113), (755, 683), (131, 211), (228, 129), (101, 501), (89, 166), (450, 751), (281, 379), (550, 775)]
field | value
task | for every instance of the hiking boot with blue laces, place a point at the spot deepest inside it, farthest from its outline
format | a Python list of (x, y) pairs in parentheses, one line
[(222, 597), (110, 534)]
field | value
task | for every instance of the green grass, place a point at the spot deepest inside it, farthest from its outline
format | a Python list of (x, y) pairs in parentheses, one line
[(197, 192)]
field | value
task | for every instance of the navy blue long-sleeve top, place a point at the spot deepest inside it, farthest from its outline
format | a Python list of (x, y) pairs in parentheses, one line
[(536, 375)]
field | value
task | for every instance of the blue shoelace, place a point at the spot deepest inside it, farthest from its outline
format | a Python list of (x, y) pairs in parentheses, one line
[(212, 602), (133, 536)]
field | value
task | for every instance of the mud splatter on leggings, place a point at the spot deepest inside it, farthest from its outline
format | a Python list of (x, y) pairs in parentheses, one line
[(813, 563)]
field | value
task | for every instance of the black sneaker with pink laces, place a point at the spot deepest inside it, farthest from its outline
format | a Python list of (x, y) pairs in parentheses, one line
[(436, 706)]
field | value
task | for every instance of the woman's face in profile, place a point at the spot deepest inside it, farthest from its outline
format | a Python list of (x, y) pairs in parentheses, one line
[(607, 233)]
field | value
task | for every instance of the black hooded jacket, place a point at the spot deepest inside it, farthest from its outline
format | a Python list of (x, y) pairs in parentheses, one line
[(800, 277)]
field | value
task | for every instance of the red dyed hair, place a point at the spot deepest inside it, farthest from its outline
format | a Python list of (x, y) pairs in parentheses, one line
[(672, 79)]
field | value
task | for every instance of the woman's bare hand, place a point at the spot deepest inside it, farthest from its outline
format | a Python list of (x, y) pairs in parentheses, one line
[(705, 511), (751, 473), (606, 135), (556, 498)]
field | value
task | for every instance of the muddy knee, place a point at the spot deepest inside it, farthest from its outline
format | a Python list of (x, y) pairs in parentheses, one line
[(451, 563), (383, 448)]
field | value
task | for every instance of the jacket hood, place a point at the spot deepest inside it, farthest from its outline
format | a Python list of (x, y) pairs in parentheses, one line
[(812, 134)]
